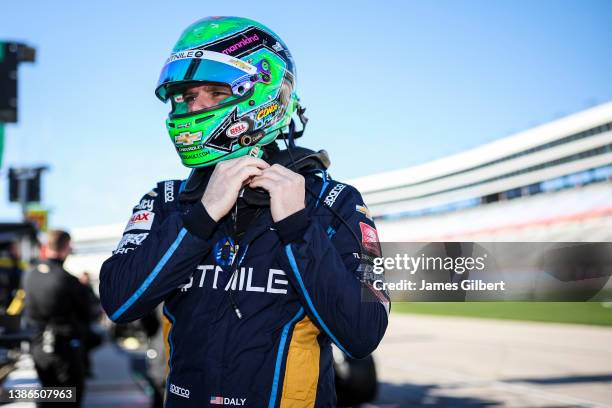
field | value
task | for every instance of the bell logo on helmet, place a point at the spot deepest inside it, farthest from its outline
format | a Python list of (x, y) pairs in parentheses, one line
[(237, 129), (188, 138)]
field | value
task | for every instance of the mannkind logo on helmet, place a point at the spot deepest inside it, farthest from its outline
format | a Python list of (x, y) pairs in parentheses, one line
[(248, 60), (240, 44)]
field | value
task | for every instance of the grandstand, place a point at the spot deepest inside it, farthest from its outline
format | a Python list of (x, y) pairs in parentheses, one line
[(92, 246), (549, 183)]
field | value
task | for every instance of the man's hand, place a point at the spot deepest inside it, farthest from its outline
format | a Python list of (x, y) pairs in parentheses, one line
[(287, 190), (226, 181)]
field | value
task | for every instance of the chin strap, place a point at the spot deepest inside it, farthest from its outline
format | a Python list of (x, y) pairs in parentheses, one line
[(293, 134)]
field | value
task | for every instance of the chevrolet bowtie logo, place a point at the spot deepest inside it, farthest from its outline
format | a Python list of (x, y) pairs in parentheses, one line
[(187, 138)]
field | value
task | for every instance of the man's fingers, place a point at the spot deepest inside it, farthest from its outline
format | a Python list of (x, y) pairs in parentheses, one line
[(264, 182), (264, 176), (243, 161), (286, 190), (248, 172), (254, 161), (282, 172), (284, 175), (236, 170), (273, 176), (278, 169)]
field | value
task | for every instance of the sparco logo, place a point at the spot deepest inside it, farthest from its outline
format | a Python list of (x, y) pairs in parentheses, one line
[(181, 392), (168, 191), (333, 194)]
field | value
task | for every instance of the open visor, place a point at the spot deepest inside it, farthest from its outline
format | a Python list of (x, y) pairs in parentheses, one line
[(207, 66)]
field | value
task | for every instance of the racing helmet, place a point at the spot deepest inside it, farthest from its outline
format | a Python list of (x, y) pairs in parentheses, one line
[(255, 67)]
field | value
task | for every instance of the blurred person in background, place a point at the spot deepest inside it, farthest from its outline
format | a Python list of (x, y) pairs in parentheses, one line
[(85, 279), (92, 337), (10, 273), (258, 256), (58, 309), (95, 308)]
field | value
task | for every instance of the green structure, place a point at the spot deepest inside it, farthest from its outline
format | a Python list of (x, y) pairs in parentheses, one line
[(2, 45)]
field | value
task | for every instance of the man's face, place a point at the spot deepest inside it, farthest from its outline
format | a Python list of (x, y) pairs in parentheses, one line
[(205, 96)]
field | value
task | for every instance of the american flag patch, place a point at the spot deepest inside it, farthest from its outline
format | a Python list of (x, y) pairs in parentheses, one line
[(216, 400)]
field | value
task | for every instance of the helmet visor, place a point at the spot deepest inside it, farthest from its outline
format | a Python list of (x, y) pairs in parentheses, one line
[(207, 66)]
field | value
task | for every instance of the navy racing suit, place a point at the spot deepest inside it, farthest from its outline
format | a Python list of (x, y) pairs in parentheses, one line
[(251, 323)]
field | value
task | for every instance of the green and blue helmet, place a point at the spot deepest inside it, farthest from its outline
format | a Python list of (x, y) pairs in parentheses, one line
[(255, 63)]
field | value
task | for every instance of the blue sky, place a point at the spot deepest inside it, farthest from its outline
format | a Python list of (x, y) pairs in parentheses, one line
[(387, 84)]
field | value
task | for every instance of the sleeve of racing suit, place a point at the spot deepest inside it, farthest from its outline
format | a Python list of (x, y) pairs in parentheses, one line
[(332, 277), (157, 253)]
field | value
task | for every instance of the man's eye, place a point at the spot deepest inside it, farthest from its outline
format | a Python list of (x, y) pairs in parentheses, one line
[(189, 98)]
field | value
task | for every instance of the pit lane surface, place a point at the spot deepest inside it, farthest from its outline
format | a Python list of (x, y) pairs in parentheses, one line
[(440, 361), (113, 384), (428, 361)]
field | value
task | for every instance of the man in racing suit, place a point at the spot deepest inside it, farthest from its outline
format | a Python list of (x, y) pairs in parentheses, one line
[(254, 294), (58, 312)]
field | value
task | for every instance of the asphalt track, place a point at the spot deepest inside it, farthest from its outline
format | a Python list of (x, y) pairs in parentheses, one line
[(432, 361)]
